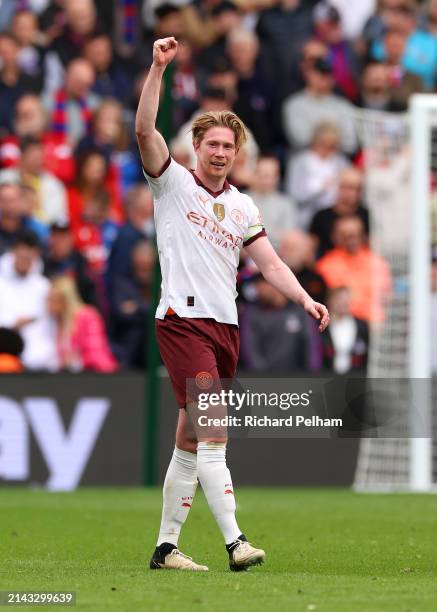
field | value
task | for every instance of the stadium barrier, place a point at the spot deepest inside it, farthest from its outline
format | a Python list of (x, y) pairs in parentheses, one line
[(62, 431)]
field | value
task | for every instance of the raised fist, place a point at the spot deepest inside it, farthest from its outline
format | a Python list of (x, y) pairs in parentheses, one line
[(164, 50)]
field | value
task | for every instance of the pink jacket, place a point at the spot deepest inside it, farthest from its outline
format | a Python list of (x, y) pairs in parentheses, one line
[(89, 343)]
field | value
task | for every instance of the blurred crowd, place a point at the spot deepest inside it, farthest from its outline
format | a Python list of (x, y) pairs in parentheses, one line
[(77, 254)]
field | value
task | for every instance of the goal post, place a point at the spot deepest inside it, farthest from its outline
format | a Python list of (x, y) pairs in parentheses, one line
[(398, 165), (422, 109)]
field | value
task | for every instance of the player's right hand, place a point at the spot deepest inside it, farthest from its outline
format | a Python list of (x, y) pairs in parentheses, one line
[(164, 51)]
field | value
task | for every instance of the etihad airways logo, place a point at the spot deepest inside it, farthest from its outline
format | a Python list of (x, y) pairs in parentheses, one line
[(215, 234)]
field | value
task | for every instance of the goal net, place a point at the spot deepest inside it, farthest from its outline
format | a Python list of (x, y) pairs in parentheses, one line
[(400, 170)]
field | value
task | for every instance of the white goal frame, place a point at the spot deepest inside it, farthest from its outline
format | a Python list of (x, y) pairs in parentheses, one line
[(407, 461), (423, 117)]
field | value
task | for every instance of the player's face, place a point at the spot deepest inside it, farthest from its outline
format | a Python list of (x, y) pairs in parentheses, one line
[(216, 152)]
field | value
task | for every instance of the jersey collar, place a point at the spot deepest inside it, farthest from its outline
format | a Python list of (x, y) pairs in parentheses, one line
[(214, 194)]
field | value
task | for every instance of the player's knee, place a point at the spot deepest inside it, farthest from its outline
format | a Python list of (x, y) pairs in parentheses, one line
[(186, 443)]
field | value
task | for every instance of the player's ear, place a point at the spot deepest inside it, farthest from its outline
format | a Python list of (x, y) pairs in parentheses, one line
[(196, 144)]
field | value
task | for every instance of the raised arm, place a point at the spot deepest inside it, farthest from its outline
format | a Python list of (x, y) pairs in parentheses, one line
[(153, 149), (278, 274)]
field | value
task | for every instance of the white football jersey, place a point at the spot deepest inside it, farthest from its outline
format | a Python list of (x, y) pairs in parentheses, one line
[(199, 235)]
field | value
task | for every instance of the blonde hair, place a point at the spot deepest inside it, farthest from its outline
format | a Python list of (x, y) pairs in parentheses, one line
[(323, 128), (224, 118), (66, 286)]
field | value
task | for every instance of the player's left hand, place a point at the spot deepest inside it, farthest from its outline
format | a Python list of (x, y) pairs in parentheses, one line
[(318, 312)]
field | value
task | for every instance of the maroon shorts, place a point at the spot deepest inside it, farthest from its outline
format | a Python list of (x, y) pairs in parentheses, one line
[(193, 349)]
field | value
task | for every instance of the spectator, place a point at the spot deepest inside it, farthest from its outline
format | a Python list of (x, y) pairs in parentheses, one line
[(52, 20), (197, 22), (11, 347), (354, 16), (347, 338), (303, 111), (123, 20), (342, 57), (277, 211), (347, 203), (420, 55), (351, 263), (224, 79), (255, 102), (94, 218), (13, 81), (94, 233), (386, 186), (312, 50), (29, 207), (385, 18), (298, 251), (275, 333), (81, 338), (112, 79), (16, 209), (180, 154), (92, 180), (430, 24), (306, 47), (11, 215), (23, 293), (185, 92), (403, 83), (131, 296), (226, 18), (283, 30), (166, 21), (243, 170), (30, 119), (138, 226), (24, 27), (51, 194), (62, 259), (71, 107), (312, 174), (375, 90), (80, 25), (7, 10), (110, 136)]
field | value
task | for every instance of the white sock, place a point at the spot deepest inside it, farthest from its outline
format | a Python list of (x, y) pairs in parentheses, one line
[(216, 482), (179, 487)]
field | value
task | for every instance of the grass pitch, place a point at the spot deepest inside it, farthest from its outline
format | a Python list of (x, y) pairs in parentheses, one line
[(327, 550)]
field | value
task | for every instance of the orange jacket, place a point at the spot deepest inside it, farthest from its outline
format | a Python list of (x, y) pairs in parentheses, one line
[(366, 274), (9, 364)]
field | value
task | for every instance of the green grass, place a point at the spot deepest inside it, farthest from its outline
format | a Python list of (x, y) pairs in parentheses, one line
[(327, 550)]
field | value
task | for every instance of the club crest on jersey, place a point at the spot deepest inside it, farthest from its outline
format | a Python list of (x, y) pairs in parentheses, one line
[(219, 211), (237, 216)]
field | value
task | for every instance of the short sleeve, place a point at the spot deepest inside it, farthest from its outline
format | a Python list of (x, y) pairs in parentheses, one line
[(170, 178), (255, 227)]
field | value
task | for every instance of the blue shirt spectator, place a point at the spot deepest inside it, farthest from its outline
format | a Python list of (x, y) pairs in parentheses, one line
[(420, 56)]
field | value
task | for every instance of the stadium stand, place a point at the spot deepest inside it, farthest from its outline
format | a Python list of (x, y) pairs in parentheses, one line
[(70, 77)]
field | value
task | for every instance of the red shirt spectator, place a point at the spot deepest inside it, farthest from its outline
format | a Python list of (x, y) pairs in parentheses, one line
[(30, 120), (92, 178)]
